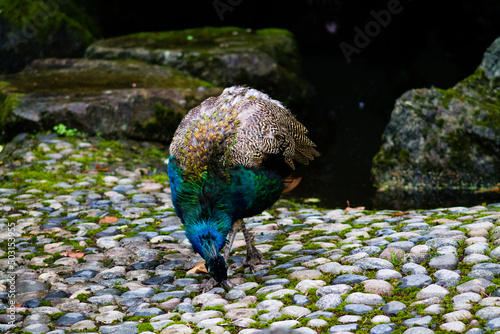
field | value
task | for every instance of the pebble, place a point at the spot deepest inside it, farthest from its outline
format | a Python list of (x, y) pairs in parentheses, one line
[(136, 263), (329, 301)]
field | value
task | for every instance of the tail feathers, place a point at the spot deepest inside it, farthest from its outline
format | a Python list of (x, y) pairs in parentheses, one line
[(267, 128), (291, 183)]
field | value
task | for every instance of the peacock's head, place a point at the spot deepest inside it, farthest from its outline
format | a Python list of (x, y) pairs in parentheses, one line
[(215, 263)]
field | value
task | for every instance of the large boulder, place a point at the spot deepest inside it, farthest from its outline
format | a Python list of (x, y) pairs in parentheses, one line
[(266, 59), (31, 29), (442, 146), (125, 99)]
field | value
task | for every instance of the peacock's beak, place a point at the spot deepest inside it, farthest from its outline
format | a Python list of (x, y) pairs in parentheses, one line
[(225, 285)]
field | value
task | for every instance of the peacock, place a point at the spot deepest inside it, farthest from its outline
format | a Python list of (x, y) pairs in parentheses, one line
[(232, 157)]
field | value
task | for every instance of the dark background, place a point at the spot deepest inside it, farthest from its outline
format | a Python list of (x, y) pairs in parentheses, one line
[(429, 43)]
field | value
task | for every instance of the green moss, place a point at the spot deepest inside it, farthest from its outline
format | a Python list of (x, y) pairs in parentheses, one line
[(47, 18), (8, 101), (164, 123), (145, 327), (83, 297), (190, 38), (102, 75), (274, 31), (459, 144)]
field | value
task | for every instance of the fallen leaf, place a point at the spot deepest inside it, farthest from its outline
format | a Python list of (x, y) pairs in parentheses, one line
[(198, 268), (400, 213), (75, 255), (358, 208), (101, 169), (493, 189), (108, 220)]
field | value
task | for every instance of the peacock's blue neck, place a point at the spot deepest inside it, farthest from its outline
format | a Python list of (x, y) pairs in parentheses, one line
[(205, 231)]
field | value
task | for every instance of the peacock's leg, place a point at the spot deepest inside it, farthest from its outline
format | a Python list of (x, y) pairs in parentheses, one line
[(208, 285), (230, 238), (254, 256)]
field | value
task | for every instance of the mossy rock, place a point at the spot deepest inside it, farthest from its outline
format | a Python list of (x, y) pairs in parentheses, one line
[(31, 29), (265, 59), (443, 145), (117, 99)]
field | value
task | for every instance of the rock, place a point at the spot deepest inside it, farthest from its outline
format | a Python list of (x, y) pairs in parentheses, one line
[(281, 293), (70, 319), (36, 328), (378, 287), (265, 59), (387, 274), (270, 305), (455, 326), (305, 274), (102, 98), (493, 267), (373, 263), (345, 319), (209, 323), (478, 285), (364, 298), (305, 285), (199, 316), (241, 313), (419, 321), (447, 261), (23, 286), (139, 293), (343, 328), (382, 329), (434, 309), (418, 330), (318, 314), (340, 289), (110, 317), (438, 131), (284, 324), (83, 325), (416, 280), (488, 313), (457, 315), (177, 329), (358, 308), (414, 268), (317, 323), (432, 290), (300, 300), (52, 30), (349, 279), (393, 308), (37, 318), (295, 311), (329, 301), (447, 278), (235, 294)]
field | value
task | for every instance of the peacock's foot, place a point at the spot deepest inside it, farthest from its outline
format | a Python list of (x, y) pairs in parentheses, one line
[(208, 285), (235, 266), (255, 260), (212, 283)]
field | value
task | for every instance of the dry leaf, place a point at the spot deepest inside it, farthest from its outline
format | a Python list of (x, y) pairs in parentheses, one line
[(101, 169), (75, 255), (198, 268), (400, 213), (108, 220), (358, 208)]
